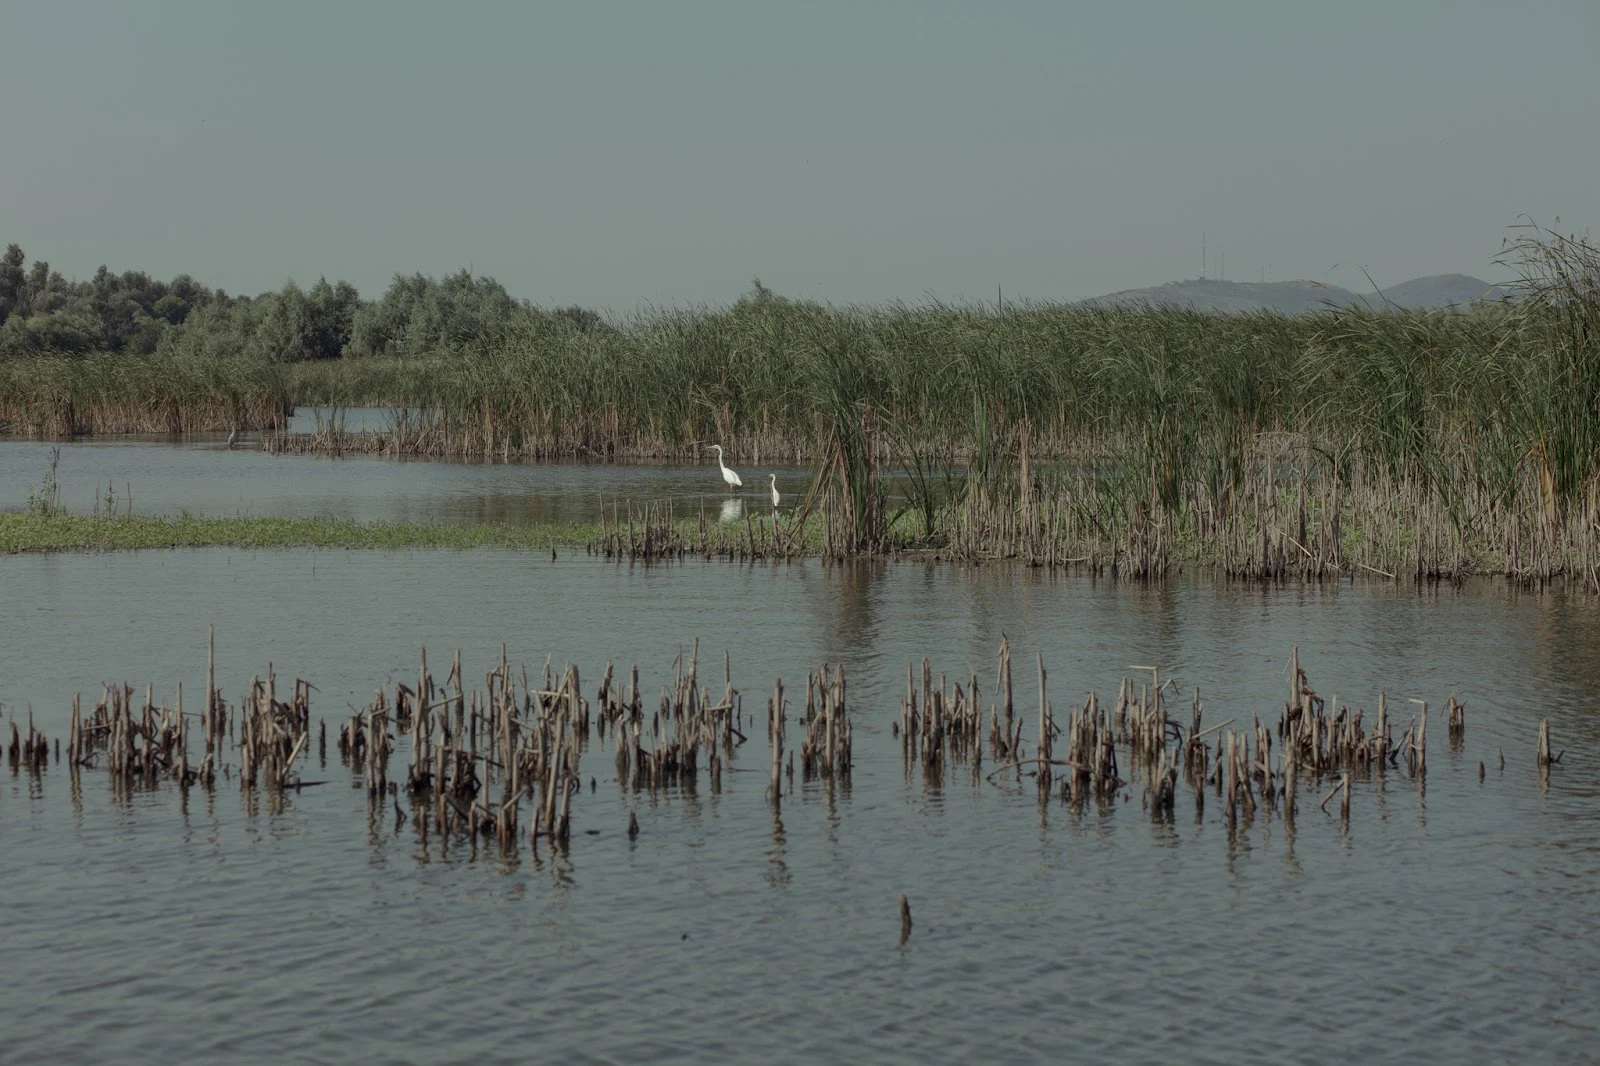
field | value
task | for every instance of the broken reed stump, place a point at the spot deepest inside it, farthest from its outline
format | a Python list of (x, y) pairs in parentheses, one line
[(1542, 758), (478, 755), (1291, 781), (775, 729), (1318, 739), (826, 750), (28, 750), (144, 742), (1341, 789), (464, 741), (1046, 728), (273, 732), (1456, 722)]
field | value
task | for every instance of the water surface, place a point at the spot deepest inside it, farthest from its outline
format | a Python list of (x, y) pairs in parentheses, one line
[(1450, 923), (205, 477)]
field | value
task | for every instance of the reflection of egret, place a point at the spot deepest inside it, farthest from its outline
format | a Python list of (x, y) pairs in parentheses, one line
[(732, 508), (774, 478), (728, 476)]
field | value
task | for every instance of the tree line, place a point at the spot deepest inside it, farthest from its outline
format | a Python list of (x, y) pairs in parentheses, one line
[(42, 313)]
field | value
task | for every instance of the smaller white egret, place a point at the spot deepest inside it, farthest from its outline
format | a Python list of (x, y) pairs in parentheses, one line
[(774, 478), (731, 478), (233, 436)]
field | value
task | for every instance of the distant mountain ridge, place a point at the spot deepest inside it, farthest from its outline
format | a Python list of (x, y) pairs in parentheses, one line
[(1444, 290), (1300, 297)]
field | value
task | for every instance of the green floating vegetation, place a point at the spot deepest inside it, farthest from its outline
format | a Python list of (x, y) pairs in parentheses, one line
[(61, 531), (67, 532)]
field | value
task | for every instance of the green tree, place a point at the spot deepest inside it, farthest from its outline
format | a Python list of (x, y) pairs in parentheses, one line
[(281, 327), (69, 332), (420, 315), (172, 308), (330, 318), (12, 280), (36, 290)]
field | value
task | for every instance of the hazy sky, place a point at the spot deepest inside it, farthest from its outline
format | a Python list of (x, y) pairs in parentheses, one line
[(614, 153)]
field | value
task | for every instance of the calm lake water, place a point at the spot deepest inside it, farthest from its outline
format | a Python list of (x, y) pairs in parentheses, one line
[(1454, 923), (207, 478)]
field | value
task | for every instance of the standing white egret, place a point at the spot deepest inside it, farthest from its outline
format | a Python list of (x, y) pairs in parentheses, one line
[(774, 478), (728, 476), (233, 436)]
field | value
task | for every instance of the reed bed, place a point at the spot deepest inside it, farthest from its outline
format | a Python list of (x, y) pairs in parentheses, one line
[(941, 381), (1423, 446), (1284, 523), (503, 759), (67, 396), (1165, 396)]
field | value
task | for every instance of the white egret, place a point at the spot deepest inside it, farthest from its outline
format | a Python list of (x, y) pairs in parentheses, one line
[(774, 478), (233, 436), (728, 476)]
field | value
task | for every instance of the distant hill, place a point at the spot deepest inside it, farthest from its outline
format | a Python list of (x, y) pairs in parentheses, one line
[(1442, 290), (1208, 294), (1299, 297)]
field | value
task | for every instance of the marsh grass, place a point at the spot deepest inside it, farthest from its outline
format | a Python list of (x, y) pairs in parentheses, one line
[(65, 396), (45, 500), (1435, 443), (32, 532)]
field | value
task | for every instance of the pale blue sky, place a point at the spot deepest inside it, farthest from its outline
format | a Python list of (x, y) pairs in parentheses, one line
[(616, 153)]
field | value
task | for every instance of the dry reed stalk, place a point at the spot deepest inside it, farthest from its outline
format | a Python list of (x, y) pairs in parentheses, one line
[(826, 750), (469, 744), (775, 719), (1045, 725), (1543, 757)]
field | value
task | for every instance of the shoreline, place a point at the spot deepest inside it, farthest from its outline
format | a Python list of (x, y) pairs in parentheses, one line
[(33, 534)]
